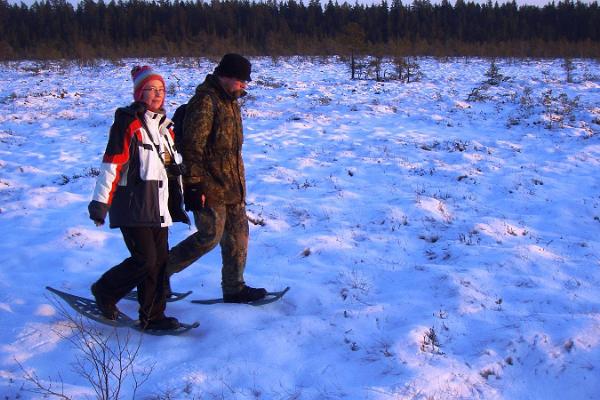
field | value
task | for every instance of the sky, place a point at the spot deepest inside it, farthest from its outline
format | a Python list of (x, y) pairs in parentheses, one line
[(539, 3)]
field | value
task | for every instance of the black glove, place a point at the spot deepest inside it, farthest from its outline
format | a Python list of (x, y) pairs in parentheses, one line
[(97, 211), (192, 197), (175, 169)]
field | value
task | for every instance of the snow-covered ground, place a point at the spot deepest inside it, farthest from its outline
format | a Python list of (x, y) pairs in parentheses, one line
[(441, 237)]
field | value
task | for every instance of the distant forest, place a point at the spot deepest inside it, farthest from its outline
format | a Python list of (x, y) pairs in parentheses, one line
[(135, 28)]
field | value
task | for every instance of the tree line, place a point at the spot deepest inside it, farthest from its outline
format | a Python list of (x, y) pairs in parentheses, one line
[(138, 28)]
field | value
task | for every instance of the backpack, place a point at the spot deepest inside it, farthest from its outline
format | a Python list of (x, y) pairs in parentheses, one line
[(179, 117)]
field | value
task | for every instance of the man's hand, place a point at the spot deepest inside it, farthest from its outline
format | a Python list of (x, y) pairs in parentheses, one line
[(193, 197)]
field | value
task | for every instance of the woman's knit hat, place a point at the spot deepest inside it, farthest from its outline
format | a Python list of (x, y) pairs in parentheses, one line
[(141, 76)]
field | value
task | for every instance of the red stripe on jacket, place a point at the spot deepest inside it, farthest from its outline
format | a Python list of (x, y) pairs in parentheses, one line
[(123, 157)]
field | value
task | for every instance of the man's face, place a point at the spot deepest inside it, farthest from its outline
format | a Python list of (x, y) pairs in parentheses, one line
[(153, 94), (233, 86)]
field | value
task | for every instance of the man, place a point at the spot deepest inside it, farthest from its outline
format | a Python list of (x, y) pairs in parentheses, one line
[(215, 180)]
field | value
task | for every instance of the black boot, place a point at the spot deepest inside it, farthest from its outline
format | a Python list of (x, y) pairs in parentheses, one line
[(167, 287), (163, 324), (106, 305), (246, 295)]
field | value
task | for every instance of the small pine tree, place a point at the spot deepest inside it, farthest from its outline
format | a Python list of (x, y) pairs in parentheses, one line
[(494, 76), (568, 66)]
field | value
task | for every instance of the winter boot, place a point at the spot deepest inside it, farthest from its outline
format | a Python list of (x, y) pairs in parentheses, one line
[(105, 304), (167, 287), (163, 324), (246, 295)]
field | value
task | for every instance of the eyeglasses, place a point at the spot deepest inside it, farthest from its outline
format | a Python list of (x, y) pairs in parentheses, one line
[(155, 90)]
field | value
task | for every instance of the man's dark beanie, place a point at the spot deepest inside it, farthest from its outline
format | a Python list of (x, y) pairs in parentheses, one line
[(234, 66)]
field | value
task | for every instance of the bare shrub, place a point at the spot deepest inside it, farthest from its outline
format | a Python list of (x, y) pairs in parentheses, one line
[(430, 342), (107, 361)]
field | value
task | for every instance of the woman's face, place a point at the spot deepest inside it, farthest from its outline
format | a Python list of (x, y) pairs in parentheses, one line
[(153, 94)]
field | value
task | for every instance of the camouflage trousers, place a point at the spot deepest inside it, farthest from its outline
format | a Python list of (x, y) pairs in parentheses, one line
[(226, 225)]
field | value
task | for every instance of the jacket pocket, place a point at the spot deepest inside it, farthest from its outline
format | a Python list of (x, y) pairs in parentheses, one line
[(144, 203)]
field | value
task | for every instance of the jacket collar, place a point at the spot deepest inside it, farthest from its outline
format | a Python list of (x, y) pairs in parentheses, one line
[(137, 109)]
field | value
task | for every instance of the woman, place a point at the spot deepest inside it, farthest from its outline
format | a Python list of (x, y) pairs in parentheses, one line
[(139, 186)]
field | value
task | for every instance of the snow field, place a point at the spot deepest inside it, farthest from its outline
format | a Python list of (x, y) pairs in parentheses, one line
[(440, 241)]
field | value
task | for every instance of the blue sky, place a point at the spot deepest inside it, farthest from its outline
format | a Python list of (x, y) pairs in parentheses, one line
[(519, 2)]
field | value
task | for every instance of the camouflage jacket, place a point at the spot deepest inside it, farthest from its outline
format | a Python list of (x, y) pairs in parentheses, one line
[(212, 144)]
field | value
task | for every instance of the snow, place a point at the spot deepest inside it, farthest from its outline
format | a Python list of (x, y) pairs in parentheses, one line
[(441, 242)]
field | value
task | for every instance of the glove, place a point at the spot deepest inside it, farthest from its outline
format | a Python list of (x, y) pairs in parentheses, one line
[(193, 197), (97, 211), (175, 169)]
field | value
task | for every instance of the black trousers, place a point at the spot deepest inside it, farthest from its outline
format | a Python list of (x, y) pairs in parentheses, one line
[(145, 269)]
